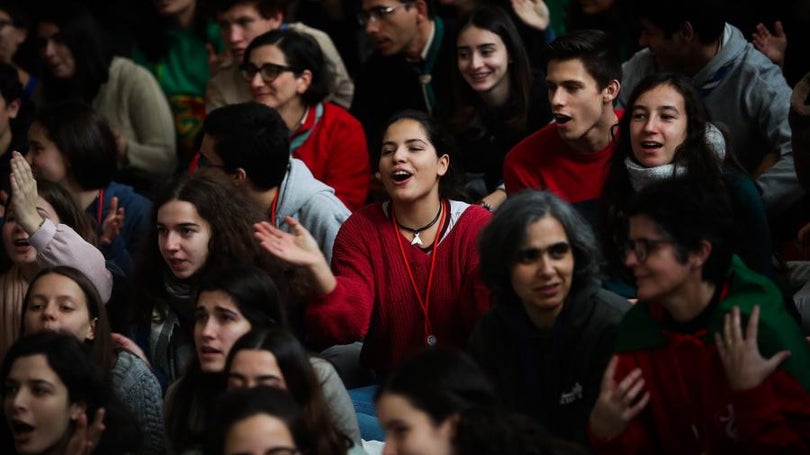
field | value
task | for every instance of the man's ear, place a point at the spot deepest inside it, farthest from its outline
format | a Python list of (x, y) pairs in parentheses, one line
[(421, 8), (276, 20), (699, 257), (239, 177), (13, 108), (611, 91), (686, 32)]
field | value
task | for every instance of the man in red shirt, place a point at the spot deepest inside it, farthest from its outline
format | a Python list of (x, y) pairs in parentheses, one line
[(569, 156)]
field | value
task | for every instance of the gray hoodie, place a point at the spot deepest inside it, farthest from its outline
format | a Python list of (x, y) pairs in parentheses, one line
[(312, 203), (748, 94)]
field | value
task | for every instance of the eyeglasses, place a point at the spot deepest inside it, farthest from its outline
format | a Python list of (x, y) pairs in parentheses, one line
[(642, 247), (204, 163), (268, 71), (283, 451), (378, 12)]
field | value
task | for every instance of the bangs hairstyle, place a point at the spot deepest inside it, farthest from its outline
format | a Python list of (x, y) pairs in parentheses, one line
[(84, 139), (440, 383), (101, 346), (596, 51), (503, 238), (468, 102), (302, 52), (689, 211)]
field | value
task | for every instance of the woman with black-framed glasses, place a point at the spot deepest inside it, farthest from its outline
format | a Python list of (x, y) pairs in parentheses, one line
[(286, 71), (708, 360)]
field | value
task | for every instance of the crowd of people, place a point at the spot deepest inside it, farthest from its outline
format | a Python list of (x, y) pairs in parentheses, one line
[(404, 227)]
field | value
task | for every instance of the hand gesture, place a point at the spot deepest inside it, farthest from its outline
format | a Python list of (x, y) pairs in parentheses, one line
[(745, 367), (126, 344), (533, 13), (85, 439), (772, 45), (618, 403), (111, 227), (24, 194), (299, 248), (216, 60)]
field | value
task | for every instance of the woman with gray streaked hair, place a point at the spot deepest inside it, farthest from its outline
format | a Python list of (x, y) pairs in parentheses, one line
[(550, 335)]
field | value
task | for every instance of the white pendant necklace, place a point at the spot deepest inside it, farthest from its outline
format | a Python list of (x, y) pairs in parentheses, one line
[(416, 231)]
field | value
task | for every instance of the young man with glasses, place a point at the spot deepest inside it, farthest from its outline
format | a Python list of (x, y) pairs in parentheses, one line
[(240, 21), (250, 142), (411, 68)]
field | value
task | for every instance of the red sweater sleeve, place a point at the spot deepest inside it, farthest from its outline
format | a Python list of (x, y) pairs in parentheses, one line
[(774, 418), (343, 315)]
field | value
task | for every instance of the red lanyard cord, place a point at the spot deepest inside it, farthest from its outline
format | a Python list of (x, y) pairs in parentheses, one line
[(273, 208), (424, 303), (99, 207)]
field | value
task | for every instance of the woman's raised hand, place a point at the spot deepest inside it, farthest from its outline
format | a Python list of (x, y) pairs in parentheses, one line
[(85, 438), (298, 248), (745, 367), (24, 194), (618, 403), (533, 13), (111, 227)]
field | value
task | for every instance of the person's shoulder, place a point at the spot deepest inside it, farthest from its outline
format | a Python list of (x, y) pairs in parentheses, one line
[(339, 116), (529, 146), (304, 29), (611, 305)]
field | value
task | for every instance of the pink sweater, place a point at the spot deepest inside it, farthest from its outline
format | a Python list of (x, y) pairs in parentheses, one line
[(375, 300)]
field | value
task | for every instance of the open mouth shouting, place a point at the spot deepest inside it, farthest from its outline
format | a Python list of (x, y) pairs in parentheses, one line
[(22, 431), (561, 119), (401, 177)]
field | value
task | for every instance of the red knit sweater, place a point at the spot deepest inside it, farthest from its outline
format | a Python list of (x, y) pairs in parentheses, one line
[(374, 297), (336, 153)]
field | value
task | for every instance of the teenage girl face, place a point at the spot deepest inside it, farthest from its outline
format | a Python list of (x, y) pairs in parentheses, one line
[(259, 434), (255, 367), (37, 408), (57, 55), (483, 59), (56, 303), (46, 160), (657, 125), (15, 239), (411, 431), (410, 168), (183, 237), (218, 323)]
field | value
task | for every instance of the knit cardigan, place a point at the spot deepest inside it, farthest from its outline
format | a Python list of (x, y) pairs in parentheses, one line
[(374, 299)]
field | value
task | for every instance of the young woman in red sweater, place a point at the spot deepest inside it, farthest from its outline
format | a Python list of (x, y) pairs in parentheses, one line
[(404, 272)]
